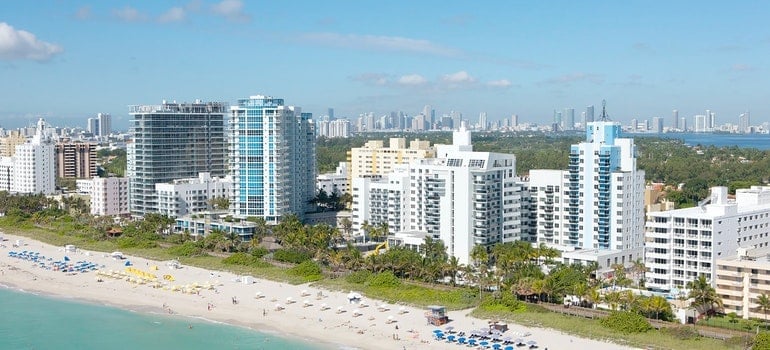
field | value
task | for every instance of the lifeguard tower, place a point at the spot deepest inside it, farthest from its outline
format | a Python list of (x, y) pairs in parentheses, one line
[(436, 315)]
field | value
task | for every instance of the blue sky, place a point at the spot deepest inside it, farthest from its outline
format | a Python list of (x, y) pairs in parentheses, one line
[(68, 60)]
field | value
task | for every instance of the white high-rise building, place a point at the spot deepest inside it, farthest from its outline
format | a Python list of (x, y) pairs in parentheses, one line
[(701, 123), (744, 123), (675, 119), (334, 182), (34, 164), (685, 243), (109, 196), (483, 124), (462, 197), (594, 211), (568, 121), (105, 124)]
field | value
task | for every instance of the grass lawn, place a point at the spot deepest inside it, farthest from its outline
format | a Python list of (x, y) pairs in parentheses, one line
[(588, 328), (410, 294)]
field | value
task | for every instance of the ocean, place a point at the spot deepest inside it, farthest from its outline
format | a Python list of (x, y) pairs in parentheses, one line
[(758, 141), (29, 321)]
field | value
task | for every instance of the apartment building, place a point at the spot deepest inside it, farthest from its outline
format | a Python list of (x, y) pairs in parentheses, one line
[(740, 280)]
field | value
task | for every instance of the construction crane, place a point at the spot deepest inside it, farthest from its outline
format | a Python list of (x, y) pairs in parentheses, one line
[(383, 245)]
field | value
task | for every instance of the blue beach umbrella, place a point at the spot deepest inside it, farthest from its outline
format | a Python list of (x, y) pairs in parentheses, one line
[(508, 348)]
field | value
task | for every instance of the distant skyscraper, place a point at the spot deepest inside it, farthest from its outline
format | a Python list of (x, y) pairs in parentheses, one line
[(657, 124), (744, 123), (569, 119), (701, 123), (515, 120), (172, 141), (330, 113), (272, 159), (589, 115), (93, 126), (683, 123), (483, 121), (675, 117), (634, 124), (105, 124)]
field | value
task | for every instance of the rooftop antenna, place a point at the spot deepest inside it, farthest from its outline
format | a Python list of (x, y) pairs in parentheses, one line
[(605, 117)]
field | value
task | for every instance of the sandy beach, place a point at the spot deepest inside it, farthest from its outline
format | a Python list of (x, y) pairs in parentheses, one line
[(304, 312)]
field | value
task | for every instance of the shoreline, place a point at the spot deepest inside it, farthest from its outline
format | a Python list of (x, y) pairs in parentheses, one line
[(307, 314)]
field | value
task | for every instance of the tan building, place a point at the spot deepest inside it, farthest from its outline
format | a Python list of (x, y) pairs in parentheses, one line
[(8, 144), (376, 159), (76, 160), (740, 281)]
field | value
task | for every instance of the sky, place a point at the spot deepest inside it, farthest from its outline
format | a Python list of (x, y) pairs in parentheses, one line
[(68, 60)]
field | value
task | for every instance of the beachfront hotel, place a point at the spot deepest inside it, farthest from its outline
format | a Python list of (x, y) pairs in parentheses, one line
[(190, 196), (686, 243), (462, 197), (272, 159), (172, 141), (32, 168), (109, 195), (374, 158), (76, 160), (741, 279), (594, 211)]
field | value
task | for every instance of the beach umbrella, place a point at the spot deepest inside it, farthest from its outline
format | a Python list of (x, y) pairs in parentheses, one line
[(461, 340), (483, 343), (496, 346), (508, 348), (450, 338), (436, 331), (472, 342)]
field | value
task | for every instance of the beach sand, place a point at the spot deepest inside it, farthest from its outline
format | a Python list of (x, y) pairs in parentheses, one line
[(301, 316)]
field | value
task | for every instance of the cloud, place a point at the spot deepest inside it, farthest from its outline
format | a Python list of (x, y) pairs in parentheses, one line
[(412, 80), (740, 67), (232, 10), (23, 45), (461, 77), (377, 79), (174, 14), (379, 43), (83, 13), (568, 79), (502, 83), (129, 14)]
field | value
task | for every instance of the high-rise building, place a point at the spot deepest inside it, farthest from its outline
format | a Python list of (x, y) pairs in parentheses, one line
[(483, 124), (595, 210), (657, 124), (93, 126), (8, 143), (105, 124), (569, 119), (514, 120), (701, 123), (461, 197), (330, 113), (675, 119), (34, 167), (75, 160), (683, 123), (172, 141), (272, 159), (683, 244), (744, 123), (589, 115)]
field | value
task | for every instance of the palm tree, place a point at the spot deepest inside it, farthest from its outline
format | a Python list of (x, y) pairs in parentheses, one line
[(346, 226), (656, 305), (613, 299), (763, 301), (452, 268), (592, 296), (704, 297), (639, 270)]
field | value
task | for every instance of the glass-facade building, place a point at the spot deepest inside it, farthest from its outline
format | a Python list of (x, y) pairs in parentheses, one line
[(173, 141), (272, 159)]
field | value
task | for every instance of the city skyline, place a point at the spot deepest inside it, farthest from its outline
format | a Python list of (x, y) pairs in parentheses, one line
[(66, 62)]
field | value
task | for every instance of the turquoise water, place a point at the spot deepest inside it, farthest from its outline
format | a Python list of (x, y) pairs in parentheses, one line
[(29, 321)]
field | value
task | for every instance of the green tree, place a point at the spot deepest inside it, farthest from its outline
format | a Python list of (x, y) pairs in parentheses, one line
[(704, 297), (763, 301)]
